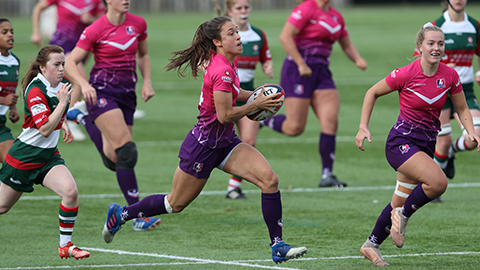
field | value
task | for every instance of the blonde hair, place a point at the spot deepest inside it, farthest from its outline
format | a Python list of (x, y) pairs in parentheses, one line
[(426, 28)]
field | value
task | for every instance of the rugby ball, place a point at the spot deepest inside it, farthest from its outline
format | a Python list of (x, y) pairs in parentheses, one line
[(270, 89)]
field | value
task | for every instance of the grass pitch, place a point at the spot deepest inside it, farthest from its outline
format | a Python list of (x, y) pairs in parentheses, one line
[(216, 233)]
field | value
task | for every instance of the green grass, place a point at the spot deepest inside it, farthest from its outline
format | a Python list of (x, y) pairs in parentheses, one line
[(333, 224)]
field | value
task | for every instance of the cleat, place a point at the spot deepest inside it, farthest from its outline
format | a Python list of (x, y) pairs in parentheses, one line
[(79, 108), (437, 200), (235, 194), (450, 168), (113, 223), (373, 254), (76, 132), (145, 224), (331, 181), (282, 252), (71, 251), (139, 114), (399, 225)]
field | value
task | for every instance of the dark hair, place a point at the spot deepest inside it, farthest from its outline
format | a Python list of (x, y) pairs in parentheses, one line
[(42, 58), (201, 49), (4, 20)]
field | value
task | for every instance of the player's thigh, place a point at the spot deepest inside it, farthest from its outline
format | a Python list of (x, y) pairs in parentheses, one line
[(422, 168), (296, 110), (248, 163), (60, 180), (8, 197), (113, 127), (326, 105), (248, 130), (4, 147)]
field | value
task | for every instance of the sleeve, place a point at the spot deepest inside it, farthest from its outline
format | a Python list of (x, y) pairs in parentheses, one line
[(300, 16), (341, 20), (143, 29), (265, 53), (477, 50), (88, 38), (395, 79), (456, 84), (223, 81), (37, 105), (52, 2)]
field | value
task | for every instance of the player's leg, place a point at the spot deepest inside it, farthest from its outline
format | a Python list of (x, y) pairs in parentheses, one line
[(444, 140), (419, 168), (4, 147), (185, 188), (245, 161), (8, 198), (59, 180), (326, 105), (248, 131)]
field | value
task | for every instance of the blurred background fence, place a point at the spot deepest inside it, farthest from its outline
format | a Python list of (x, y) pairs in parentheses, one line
[(24, 7)]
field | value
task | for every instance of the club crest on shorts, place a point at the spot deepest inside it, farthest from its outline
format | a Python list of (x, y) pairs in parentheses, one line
[(198, 167), (404, 148)]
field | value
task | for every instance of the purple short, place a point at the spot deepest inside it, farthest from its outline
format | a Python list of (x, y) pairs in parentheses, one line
[(404, 141), (199, 160), (66, 39), (303, 87), (107, 101)]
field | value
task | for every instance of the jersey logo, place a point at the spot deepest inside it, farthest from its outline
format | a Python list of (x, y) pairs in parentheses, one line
[(330, 29), (122, 47), (429, 100), (440, 83), (38, 108)]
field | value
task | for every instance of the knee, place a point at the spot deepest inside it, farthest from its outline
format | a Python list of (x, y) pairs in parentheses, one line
[(108, 163), (127, 156), (294, 130), (4, 209), (270, 181), (440, 186)]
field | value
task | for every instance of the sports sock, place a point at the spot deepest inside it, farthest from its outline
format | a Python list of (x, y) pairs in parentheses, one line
[(272, 214), (275, 122), (441, 160), (326, 148), (93, 132), (459, 145), (128, 184), (415, 201), (234, 182), (66, 220), (382, 227), (147, 207)]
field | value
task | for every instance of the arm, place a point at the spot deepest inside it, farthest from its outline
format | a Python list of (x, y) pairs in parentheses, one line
[(465, 117), (9, 100), (226, 113), (63, 96), (288, 44), (352, 52), (267, 67), (379, 89), (37, 10), (145, 70), (13, 115), (72, 72)]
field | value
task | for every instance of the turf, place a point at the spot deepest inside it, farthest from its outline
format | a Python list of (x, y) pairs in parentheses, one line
[(216, 233)]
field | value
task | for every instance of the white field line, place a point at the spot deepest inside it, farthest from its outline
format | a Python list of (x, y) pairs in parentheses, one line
[(252, 191), (197, 261)]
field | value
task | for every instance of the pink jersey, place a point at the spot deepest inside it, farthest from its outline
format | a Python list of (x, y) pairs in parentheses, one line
[(219, 75), (318, 30), (422, 97), (69, 25), (115, 48)]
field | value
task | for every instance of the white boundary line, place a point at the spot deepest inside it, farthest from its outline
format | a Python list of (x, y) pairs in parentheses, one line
[(252, 191), (196, 261)]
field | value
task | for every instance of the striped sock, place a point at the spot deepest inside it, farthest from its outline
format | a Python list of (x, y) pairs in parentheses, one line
[(66, 220), (234, 182)]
